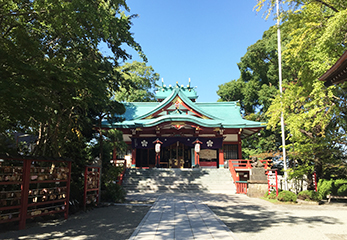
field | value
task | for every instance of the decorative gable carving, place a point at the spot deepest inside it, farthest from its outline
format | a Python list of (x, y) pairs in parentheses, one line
[(176, 106)]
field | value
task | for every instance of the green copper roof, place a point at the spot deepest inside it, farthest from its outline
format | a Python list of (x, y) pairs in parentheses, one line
[(149, 114)]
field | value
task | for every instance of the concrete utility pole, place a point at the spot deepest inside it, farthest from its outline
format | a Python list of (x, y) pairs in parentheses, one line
[(280, 86)]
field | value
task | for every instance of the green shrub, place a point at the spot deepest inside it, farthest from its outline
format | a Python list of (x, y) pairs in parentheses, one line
[(334, 187), (340, 187), (272, 195), (113, 193), (325, 187), (286, 196), (309, 195), (342, 190), (339, 182), (110, 190)]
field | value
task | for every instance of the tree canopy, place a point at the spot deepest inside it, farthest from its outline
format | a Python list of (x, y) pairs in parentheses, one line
[(255, 89), (54, 80), (314, 115), (313, 38), (141, 81)]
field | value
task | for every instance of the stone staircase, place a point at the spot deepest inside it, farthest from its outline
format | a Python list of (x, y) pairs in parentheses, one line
[(178, 180)]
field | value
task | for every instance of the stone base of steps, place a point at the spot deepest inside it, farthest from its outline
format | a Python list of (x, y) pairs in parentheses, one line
[(178, 181)]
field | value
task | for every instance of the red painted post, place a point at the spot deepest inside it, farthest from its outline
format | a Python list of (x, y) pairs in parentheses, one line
[(133, 158), (25, 193), (248, 164), (221, 157), (269, 183), (197, 160), (66, 203), (85, 187), (276, 183)]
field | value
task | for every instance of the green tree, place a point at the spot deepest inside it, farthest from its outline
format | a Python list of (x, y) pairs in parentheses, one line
[(141, 81), (52, 72), (314, 116), (55, 84), (257, 85), (258, 82)]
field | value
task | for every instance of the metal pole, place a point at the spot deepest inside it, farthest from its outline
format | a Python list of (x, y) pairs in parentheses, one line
[(280, 86)]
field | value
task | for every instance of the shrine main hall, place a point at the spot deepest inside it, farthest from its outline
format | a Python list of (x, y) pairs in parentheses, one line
[(179, 132)]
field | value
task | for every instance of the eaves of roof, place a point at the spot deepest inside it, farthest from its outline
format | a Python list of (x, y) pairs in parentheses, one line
[(183, 118)]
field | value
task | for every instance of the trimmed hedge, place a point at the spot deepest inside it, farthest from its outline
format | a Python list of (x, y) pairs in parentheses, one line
[(334, 187), (286, 196), (309, 195)]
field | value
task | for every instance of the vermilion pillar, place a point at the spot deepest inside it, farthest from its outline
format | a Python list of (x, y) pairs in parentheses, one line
[(239, 146), (133, 158), (221, 158), (197, 158)]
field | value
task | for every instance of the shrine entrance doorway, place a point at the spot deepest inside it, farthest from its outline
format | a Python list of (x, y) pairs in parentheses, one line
[(176, 155), (145, 158)]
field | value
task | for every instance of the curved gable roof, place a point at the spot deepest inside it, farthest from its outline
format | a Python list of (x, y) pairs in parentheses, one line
[(179, 108), (170, 100)]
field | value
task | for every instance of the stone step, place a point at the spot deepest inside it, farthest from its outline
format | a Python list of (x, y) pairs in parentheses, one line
[(178, 180)]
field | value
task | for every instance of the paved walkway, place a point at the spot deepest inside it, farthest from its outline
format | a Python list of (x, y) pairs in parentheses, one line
[(181, 217), (186, 216)]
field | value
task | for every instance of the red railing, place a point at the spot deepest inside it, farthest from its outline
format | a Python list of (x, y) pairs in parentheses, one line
[(242, 164), (232, 170), (241, 187), (246, 164)]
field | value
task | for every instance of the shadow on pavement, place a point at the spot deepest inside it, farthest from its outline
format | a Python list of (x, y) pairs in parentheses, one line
[(113, 222)]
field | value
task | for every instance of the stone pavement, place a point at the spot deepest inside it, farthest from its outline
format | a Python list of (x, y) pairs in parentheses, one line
[(247, 218), (181, 217), (190, 216)]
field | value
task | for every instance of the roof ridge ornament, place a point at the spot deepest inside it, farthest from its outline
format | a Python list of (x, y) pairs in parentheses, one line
[(163, 91)]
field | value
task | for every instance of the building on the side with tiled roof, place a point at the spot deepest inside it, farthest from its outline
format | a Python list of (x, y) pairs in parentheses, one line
[(178, 132), (337, 74)]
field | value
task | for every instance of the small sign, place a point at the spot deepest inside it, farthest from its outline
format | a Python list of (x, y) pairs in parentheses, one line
[(208, 154)]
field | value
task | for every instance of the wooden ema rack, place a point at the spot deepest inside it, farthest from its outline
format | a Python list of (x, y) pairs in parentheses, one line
[(31, 187), (91, 186)]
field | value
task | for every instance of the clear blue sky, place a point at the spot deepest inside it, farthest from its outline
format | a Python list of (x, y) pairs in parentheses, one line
[(198, 39)]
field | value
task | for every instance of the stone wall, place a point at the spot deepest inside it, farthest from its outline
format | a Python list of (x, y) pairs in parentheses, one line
[(257, 188)]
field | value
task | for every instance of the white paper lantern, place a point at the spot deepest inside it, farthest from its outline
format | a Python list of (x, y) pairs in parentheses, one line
[(157, 148), (197, 147)]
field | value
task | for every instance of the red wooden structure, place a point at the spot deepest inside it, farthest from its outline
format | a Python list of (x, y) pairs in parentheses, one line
[(272, 181), (237, 166), (33, 187), (241, 187), (208, 164), (91, 185), (315, 181)]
